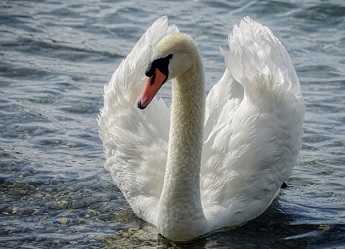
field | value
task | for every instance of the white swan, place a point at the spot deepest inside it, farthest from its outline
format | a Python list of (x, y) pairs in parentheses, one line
[(205, 163)]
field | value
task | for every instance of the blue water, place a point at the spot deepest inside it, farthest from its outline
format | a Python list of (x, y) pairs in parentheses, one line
[(55, 58)]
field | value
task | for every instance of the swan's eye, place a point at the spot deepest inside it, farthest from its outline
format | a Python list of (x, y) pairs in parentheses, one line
[(162, 64)]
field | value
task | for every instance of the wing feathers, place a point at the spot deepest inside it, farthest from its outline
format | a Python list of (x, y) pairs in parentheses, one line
[(253, 129), (259, 61), (135, 141)]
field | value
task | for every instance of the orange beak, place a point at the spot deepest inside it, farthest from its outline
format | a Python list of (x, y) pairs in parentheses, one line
[(153, 84)]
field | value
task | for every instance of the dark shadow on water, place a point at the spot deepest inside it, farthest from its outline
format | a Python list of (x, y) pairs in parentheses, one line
[(273, 229)]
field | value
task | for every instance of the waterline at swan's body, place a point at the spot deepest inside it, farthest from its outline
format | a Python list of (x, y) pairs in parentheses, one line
[(205, 163)]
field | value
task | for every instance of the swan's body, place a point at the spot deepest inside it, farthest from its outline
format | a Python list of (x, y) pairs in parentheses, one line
[(205, 163)]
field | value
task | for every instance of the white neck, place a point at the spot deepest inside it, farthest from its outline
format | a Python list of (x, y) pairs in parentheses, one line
[(181, 214)]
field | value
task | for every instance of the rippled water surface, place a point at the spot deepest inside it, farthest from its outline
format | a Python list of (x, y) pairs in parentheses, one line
[(55, 58)]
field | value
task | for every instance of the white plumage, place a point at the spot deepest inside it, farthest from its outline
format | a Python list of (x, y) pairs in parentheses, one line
[(249, 131)]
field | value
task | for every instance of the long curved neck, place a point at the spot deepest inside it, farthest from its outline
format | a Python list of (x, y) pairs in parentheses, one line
[(181, 215)]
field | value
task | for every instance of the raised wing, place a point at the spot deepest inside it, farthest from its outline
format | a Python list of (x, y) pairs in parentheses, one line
[(135, 141), (253, 128)]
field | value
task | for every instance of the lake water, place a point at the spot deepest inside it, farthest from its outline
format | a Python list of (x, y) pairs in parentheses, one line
[(55, 58)]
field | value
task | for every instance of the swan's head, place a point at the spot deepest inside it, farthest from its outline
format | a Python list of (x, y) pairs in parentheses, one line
[(172, 57)]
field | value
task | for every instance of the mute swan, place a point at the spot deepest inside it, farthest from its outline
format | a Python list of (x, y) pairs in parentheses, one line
[(205, 163)]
